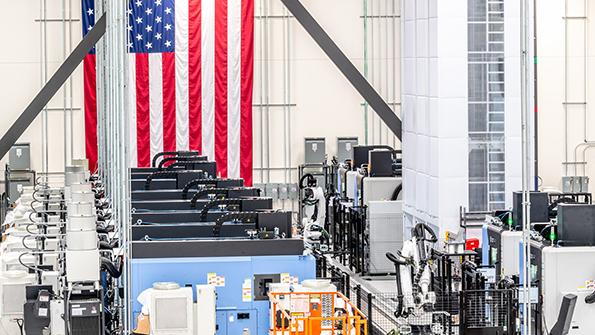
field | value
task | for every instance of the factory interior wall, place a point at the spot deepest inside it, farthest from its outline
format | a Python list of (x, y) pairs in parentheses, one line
[(21, 70), (322, 102), (565, 57), (298, 91)]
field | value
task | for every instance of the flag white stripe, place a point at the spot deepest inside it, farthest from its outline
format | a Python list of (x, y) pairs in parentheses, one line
[(208, 77), (132, 108), (182, 104), (234, 34), (156, 102)]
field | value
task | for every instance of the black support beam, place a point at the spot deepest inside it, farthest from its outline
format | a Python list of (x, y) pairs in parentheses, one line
[(349, 70), (52, 86)]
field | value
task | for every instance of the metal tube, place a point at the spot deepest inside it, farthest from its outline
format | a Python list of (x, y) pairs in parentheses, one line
[(565, 104), (65, 92), (366, 68), (525, 134), (372, 69), (261, 105), (394, 26), (71, 102)]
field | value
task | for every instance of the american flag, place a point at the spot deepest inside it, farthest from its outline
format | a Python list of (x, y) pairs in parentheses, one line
[(191, 81)]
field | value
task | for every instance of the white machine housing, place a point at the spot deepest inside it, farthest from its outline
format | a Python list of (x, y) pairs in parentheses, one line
[(206, 310), (12, 292), (379, 188), (172, 311), (509, 248), (569, 270), (385, 231)]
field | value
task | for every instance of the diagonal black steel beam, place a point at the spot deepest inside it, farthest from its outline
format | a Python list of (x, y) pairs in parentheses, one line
[(345, 66), (52, 86)]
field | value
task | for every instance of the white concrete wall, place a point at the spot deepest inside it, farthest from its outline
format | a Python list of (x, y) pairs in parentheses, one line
[(20, 76), (554, 51), (435, 111), (326, 105)]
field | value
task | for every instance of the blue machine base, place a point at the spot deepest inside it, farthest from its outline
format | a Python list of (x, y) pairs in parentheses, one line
[(234, 311)]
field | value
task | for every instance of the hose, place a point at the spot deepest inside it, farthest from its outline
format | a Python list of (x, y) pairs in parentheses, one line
[(172, 153), (196, 182), (206, 191), (397, 192), (214, 203), (311, 180), (398, 262), (108, 266)]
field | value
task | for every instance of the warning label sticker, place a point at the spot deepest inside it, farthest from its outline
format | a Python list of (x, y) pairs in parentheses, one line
[(247, 291), (215, 280)]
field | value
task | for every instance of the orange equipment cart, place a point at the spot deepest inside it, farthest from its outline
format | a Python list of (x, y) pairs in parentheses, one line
[(315, 313)]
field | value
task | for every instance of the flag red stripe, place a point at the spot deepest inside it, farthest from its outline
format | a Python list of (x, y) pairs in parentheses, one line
[(90, 94), (169, 100), (143, 127), (221, 87), (194, 75), (247, 79)]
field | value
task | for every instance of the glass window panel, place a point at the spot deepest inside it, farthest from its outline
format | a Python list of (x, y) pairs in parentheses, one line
[(497, 167), (496, 37), (478, 160), (496, 206), (497, 197), (496, 17), (478, 114), (476, 10), (496, 107), (477, 37), (497, 157), (496, 47), (497, 117), (499, 127), (496, 77), (478, 200), (499, 87), (496, 97), (497, 187), (477, 79), (496, 177), (496, 27), (496, 7)]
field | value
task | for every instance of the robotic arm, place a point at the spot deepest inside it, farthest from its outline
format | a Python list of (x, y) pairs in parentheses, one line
[(413, 274), (314, 208)]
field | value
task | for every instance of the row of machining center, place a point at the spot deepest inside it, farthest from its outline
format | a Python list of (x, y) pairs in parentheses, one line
[(202, 255)]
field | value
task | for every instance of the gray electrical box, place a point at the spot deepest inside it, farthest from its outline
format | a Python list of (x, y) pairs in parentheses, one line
[(315, 150), (345, 147), (283, 191), (19, 157), (15, 188), (272, 190)]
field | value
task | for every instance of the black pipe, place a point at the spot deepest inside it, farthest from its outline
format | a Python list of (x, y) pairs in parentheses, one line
[(215, 203), (397, 192), (173, 153), (108, 266)]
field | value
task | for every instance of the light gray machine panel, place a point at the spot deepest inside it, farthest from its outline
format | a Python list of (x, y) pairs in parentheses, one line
[(509, 245), (380, 188), (569, 270), (385, 227)]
